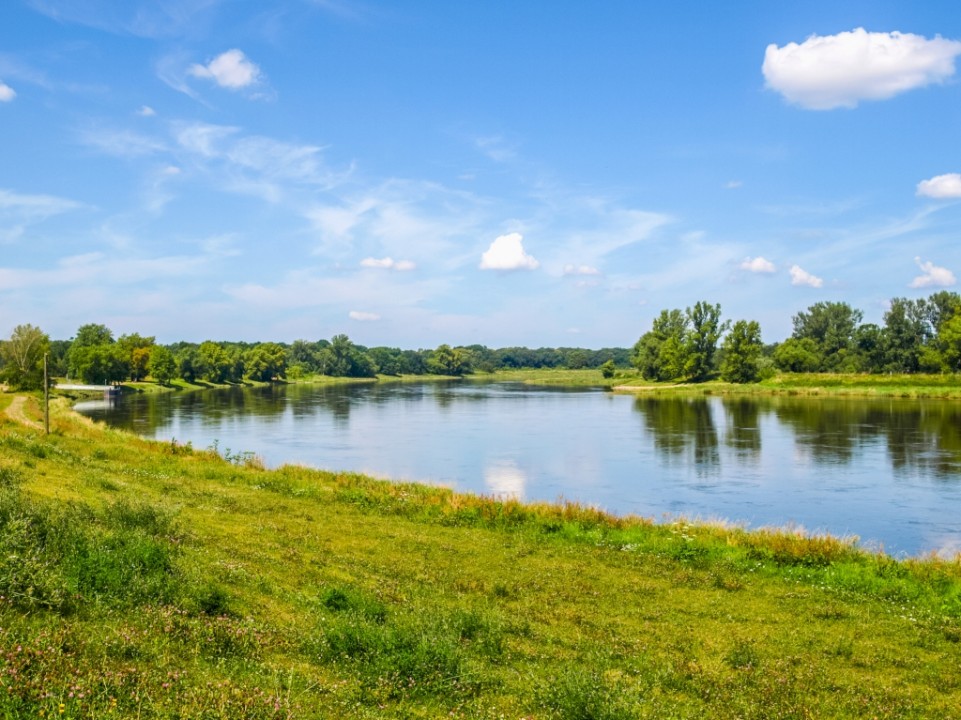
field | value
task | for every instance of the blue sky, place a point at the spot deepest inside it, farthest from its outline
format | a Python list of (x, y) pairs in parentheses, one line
[(413, 173)]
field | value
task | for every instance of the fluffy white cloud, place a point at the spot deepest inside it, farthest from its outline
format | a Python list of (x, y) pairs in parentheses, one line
[(757, 265), (146, 111), (388, 264), (932, 275), (581, 270), (831, 71), (231, 70), (507, 253), (802, 277), (7, 93), (363, 316), (941, 186)]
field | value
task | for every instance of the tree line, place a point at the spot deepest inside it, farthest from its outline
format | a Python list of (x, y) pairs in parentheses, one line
[(920, 335), (94, 356), (694, 344)]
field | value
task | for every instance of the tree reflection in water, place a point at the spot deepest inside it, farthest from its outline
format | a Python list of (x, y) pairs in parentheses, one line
[(682, 426)]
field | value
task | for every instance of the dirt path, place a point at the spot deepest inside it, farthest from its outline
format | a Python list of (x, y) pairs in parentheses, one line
[(16, 411)]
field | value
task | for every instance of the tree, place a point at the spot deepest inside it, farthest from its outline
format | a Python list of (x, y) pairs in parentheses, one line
[(88, 336), (660, 354), (446, 360), (907, 328), (162, 366), (831, 326), (265, 361), (742, 353), (137, 349), (212, 362), (22, 357), (607, 369), (96, 364), (944, 351), (795, 355), (700, 344)]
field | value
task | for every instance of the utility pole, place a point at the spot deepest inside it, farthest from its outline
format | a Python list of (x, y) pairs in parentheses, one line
[(46, 397)]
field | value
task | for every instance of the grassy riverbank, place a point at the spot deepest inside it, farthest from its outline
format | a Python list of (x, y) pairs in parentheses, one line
[(144, 579)]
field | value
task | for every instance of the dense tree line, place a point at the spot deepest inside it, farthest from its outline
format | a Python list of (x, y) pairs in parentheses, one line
[(921, 335), (694, 344), (94, 356)]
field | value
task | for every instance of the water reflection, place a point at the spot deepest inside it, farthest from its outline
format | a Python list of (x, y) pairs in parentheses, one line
[(682, 428), (886, 470), (743, 426), (504, 480)]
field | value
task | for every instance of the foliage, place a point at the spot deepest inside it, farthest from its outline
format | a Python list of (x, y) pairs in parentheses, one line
[(265, 362), (22, 357), (446, 360), (831, 326), (162, 365), (742, 353), (705, 329)]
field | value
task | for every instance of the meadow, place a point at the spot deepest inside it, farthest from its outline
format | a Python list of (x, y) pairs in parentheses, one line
[(157, 580)]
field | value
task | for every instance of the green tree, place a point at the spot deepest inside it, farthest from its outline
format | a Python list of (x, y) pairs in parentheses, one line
[(162, 366), (907, 328), (212, 362), (660, 354), (265, 361), (99, 364), (22, 357), (704, 330), (831, 326), (137, 349), (608, 369), (794, 355), (446, 360), (944, 351), (742, 352), (88, 336)]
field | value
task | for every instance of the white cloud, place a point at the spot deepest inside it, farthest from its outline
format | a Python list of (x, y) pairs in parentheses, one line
[(7, 93), (507, 253), (941, 186), (581, 270), (146, 111), (802, 277), (757, 265), (733, 184), (121, 143), (831, 71), (932, 275), (363, 316), (231, 70), (388, 264)]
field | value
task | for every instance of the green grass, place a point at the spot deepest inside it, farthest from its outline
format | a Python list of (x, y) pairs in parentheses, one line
[(143, 579), (812, 384)]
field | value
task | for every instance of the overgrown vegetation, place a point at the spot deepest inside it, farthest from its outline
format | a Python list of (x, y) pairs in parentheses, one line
[(152, 580)]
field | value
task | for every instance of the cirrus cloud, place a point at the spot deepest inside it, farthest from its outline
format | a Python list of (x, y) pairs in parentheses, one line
[(757, 265), (507, 253), (581, 270), (941, 186), (932, 275), (231, 70), (803, 277), (832, 71)]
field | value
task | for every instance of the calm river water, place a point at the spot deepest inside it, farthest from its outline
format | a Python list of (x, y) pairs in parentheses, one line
[(888, 471)]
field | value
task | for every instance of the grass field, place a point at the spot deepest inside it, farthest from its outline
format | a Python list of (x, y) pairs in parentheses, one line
[(156, 580)]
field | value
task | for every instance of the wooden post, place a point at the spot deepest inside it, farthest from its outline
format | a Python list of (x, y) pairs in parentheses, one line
[(46, 397)]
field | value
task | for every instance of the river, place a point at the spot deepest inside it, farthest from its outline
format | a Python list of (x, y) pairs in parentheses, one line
[(887, 471)]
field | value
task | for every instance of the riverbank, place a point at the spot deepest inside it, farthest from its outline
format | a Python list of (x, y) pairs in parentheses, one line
[(813, 385), (150, 579)]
